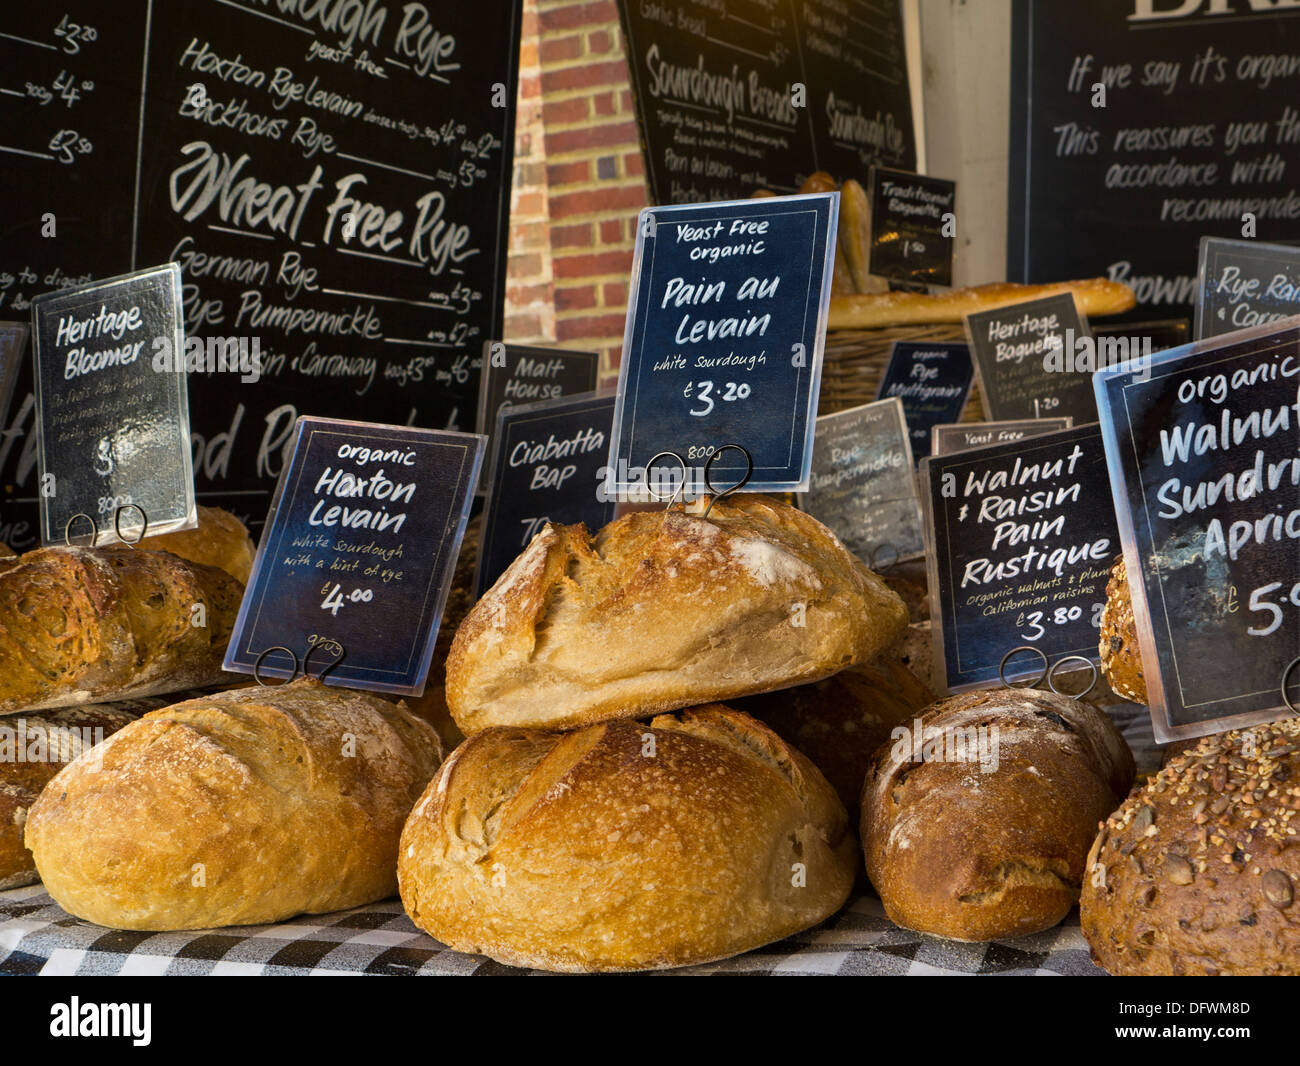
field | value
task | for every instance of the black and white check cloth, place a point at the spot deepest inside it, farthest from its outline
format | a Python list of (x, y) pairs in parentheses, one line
[(38, 937)]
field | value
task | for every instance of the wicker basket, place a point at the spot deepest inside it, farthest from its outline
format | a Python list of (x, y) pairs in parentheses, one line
[(856, 358)]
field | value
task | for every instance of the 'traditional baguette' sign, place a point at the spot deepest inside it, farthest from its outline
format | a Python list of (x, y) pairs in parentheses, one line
[(547, 459), (725, 330), (358, 554), (112, 408), (1204, 451), (1023, 537), (1243, 284), (913, 227)]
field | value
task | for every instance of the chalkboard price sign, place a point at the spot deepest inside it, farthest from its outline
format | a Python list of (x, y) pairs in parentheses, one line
[(932, 380), (13, 343), (113, 410), (725, 330), (912, 227), (1035, 360), (1244, 284), (358, 553), (862, 485), (1206, 476), (547, 465), (962, 437), (1023, 537), (521, 374)]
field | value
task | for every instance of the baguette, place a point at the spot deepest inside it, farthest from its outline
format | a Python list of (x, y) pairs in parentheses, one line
[(1096, 296), (87, 625), (855, 237), (244, 807)]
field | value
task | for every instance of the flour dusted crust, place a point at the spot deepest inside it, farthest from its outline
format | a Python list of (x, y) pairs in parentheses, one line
[(662, 610), (1199, 871), (594, 851), (1096, 296), (244, 807), (960, 853), (1121, 658)]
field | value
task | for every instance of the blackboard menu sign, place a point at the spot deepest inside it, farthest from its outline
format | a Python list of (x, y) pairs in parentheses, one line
[(862, 486), (726, 323), (912, 230), (522, 374), (932, 380), (13, 344), (732, 98), (332, 178), (962, 437), (1244, 284), (357, 554), (1200, 128), (1206, 475), (1142, 338), (547, 465), (1035, 360), (113, 418), (1023, 537)]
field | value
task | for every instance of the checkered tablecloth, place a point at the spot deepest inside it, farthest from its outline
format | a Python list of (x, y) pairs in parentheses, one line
[(38, 937)]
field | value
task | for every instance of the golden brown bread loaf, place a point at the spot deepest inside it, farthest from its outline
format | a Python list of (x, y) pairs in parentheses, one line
[(839, 722), (1121, 658), (1199, 871), (86, 625), (662, 610), (219, 540), (33, 748), (248, 806), (993, 846), (855, 236), (625, 845), (1095, 296)]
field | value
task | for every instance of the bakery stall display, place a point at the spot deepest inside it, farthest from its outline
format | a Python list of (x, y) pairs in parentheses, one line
[(1199, 870), (246, 806), (977, 826), (625, 845)]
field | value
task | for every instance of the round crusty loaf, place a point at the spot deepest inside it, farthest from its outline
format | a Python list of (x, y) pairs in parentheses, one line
[(625, 845), (973, 850), (1199, 871), (1121, 659), (841, 721), (220, 539), (663, 610), (247, 806), (33, 748)]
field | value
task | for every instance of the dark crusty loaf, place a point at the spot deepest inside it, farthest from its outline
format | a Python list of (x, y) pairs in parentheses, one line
[(1199, 871), (625, 845), (33, 748), (980, 852), (246, 806), (662, 610), (841, 721), (86, 625), (1121, 659)]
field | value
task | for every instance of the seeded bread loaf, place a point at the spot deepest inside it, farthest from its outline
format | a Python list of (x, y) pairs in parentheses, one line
[(1121, 659), (977, 826), (87, 625), (243, 807), (1199, 871), (662, 610), (625, 845)]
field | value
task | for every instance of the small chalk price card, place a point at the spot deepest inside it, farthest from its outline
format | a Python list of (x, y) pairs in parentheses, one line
[(112, 409), (1243, 284), (13, 341), (548, 462), (1035, 360), (1023, 538), (932, 380), (357, 555), (963, 436), (1204, 451), (524, 374), (913, 227), (725, 330)]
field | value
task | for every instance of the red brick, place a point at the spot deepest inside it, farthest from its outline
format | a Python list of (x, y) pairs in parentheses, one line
[(591, 326), (576, 236), (586, 76), (528, 294), (529, 203), (560, 49), (591, 201), (561, 112), (529, 265), (625, 101), (575, 299), (613, 134), (567, 16), (600, 42), (614, 294), (634, 164), (523, 327), (592, 265), (603, 104), (568, 173), (611, 231)]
